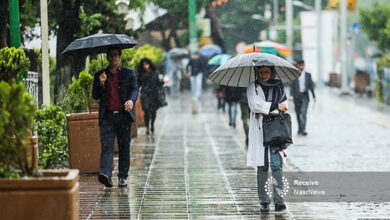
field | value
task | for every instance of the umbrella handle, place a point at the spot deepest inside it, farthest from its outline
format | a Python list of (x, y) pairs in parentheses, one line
[(101, 58)]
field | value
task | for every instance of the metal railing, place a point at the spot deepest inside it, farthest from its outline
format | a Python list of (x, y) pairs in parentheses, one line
[(31, 83)]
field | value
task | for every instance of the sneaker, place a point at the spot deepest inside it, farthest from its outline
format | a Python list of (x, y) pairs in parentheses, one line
[(264, 207), (105, 180), (122, 182), (280, 206)]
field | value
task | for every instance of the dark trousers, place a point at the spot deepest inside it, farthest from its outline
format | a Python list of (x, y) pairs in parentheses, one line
[(150, 115), (115, 125), (301, 103)]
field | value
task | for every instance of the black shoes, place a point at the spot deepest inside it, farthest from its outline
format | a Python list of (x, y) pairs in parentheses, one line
[(280, 206), (264, 207), (152, 129), (122, 182), (303, 133), (105, 180)]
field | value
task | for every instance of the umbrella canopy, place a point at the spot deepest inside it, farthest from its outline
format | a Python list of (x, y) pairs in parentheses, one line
[(210, 50), (268, 47), (177, 53), (99, 43), (239, 71), (219, 59)]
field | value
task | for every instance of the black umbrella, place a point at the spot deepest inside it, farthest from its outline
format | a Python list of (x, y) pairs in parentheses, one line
[(99, 43)]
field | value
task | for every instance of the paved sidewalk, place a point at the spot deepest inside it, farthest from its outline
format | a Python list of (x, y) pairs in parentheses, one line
[(194, 167)]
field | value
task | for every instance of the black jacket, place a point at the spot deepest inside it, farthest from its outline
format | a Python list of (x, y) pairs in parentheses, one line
[(128, 90), (309, 85)]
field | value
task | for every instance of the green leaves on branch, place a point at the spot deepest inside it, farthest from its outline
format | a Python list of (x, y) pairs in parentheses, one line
[(53, 141), (16, 121), (376, 23), (132, 57), (78, 97), (12, 61)]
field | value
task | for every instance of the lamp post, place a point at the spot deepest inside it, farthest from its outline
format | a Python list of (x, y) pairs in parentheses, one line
[(45, 54)]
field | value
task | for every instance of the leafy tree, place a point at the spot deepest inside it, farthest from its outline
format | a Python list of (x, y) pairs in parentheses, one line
[(12, 61), (376, 23)]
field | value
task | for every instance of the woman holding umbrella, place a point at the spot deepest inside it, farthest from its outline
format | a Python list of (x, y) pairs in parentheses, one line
[(266, 95), (148, 82), (263, 75)]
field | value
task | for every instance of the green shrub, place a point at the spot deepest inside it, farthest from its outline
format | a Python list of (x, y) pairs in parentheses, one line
[(96, 65), (16, 121), (12, 61), (52, 137), (382, 63), (79, 95), (132, 57)]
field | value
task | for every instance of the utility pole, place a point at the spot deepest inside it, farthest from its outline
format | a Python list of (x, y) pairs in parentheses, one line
[(319, 39), (45, 54), (14, 22), (343, 45), (289, 28), (192, 26)]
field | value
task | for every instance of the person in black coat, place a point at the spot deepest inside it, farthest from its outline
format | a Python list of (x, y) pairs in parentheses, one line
[(233, 96), (149, 82), (116, 89), (300, 92)]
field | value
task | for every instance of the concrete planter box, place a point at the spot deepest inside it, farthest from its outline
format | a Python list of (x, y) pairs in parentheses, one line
[(54, 196), (84, 141)]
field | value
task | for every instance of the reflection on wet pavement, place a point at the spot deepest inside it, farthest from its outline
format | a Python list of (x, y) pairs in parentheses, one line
[(194, 167)]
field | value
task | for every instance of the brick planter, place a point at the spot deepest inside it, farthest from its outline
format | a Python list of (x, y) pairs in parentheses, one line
[(54, 196)]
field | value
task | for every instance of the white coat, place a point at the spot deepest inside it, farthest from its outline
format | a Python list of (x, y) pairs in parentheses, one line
[(257, 104)]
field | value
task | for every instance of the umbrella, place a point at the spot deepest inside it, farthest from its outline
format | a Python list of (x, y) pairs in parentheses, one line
[(178, 53), (209, 50), (99, 43), (239, 71), (219, 59), (268, 47)]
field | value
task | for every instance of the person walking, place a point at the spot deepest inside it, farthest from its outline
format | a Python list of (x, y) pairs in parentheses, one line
[(175, 73), (149, 83), (195, 70), (221, 95), (233, 95), (300, 92), (116, 89), (245, 111), (266, 95)]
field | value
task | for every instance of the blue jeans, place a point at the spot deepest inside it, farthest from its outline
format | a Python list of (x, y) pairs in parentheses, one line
[(196, 85), (119, 126), (232, 112), (262, 176)]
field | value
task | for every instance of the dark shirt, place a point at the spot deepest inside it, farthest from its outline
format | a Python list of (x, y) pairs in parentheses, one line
[(114, 102), (196, 65)]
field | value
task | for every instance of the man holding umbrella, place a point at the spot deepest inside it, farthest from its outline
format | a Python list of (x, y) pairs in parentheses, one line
[(116, 88)]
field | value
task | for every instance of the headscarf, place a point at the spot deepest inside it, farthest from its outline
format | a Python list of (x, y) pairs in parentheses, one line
[(271, 82)]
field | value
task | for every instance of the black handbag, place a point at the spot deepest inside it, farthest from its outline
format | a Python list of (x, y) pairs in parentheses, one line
[(161, 97), (277, 130)]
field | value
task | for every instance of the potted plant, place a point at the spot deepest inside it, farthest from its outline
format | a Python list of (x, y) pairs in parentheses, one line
[(25, 192)]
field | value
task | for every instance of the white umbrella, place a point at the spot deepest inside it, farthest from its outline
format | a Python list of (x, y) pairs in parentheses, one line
[(239, 71)]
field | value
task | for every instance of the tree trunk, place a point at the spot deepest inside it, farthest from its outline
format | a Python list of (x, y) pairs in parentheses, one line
[(216, 29), (3, 23), (67, 66), (165, 41)]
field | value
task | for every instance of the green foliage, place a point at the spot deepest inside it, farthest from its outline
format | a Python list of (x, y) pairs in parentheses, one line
[(131, 57), (376, 23), (382, 63), (74, 100), (90, 22), (53, 141), (12, 61), (98, 64), (79, 95), (16, 121)]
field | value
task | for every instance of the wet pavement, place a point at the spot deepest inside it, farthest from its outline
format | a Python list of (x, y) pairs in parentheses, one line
[(194, 166)]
